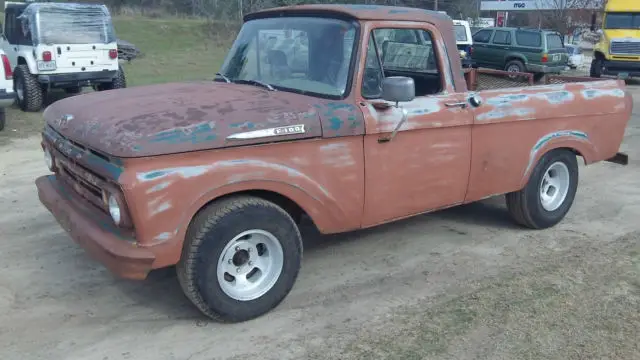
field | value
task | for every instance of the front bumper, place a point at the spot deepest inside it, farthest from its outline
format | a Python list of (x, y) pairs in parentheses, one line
[(7, 98), (616, 67), (94, 231), (78, 79), (545, 69)]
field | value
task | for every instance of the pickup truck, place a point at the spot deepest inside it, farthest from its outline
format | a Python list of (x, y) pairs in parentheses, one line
[(215, 176)]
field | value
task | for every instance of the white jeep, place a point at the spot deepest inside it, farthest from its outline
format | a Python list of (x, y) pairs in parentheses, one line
[(60, 45)]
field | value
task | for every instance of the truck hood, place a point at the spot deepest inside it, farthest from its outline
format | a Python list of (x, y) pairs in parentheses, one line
[(173, 118)]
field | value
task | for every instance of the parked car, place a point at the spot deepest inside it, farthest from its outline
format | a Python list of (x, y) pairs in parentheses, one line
[(576, 57), (60, 45), (520, 50), (464, 41), (7, 95), (215, 176)]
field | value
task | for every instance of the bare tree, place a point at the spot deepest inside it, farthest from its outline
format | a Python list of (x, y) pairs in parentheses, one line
[(565, 15)]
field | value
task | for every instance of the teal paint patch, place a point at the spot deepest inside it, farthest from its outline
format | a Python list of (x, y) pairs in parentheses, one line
[(113, 168), (246, 125), (579, 135), (196, 135), (336, 123)]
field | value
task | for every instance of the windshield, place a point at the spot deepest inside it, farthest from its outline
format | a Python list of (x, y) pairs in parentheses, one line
[(74, 26), (461, 33), (301, 54), (622, 21)]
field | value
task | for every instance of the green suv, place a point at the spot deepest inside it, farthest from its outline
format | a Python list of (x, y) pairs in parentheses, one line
[(521, 50)]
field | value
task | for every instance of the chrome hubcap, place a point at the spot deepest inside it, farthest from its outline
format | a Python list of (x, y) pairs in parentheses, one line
[(250, 265), (554, 186)]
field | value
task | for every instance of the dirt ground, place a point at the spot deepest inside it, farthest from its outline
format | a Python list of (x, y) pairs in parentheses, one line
[(458, 284)]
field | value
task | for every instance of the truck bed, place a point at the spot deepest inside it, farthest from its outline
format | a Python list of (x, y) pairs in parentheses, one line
[(487, 79)]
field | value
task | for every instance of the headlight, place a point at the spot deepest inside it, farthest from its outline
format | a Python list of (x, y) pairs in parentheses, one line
[(48, 158), (114, 209)]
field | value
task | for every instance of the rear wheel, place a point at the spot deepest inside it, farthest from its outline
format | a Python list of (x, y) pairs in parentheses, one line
[(515, 66), (240, 259), (119, 82), (549, 194), (30, 95)]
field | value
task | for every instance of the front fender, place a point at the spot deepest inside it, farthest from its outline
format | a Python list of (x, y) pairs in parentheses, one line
[(163, 201)]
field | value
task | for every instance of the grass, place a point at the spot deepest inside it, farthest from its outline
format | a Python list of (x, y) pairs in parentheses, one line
[(582, 305), (173, 50)]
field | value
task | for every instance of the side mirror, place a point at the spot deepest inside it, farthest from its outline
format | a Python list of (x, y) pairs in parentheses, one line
[(398, 89)]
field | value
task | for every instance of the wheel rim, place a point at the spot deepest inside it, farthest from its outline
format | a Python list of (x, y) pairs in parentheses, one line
[(20, 90), (250, 265), (513, 68), (554, 186)]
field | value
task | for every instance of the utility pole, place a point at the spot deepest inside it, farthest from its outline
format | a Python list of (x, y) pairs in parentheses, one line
[(435, 5)]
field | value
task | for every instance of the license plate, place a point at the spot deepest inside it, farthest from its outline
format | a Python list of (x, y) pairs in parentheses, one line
[(46, 65), (556, 57), (623, 75)]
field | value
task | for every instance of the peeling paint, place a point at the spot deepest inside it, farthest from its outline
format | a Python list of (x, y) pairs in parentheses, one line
[(162, 207), (337, 155), (195, 134), (590, 94), (575, 134), (504, 113), (159, 187)]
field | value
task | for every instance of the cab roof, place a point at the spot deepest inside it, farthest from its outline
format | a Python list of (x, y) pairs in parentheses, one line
[(359, 12)]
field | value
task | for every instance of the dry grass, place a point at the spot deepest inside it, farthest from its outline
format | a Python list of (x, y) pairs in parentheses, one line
[(581, 305)]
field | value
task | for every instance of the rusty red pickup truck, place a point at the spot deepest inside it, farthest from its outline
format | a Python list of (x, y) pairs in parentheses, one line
[(354, 116)]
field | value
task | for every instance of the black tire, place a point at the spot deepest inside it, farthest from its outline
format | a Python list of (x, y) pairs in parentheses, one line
[(517, 63), (73, 90), (119, 82), (208, 235), (3, 116), (33, 94), (525, 206), (596, 67)]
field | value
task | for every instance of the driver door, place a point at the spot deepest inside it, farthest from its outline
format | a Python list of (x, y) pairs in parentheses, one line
[(426, 165)]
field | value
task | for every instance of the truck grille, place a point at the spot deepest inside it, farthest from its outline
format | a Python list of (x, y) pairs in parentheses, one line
[(86, 183), (625, 48)]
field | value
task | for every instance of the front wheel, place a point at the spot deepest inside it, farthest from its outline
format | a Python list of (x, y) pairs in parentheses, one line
[(549, 194), (240, 259), (596, 68)]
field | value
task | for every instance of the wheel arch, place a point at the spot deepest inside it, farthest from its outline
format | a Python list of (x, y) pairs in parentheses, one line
[(22, 60), (511, 57), (581, 148)]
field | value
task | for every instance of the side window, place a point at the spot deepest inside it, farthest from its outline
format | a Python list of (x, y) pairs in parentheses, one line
[(554, 41), (402, 52), (482, 36), (528, 38), (10, 26), (502, 37)]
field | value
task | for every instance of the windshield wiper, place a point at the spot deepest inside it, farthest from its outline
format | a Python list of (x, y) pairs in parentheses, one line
[(226, 79), (254, 82)]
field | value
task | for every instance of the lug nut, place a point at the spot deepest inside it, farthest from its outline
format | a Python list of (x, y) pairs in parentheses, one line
[(230, 261), (238, 270), (237, 248), (250, 263)]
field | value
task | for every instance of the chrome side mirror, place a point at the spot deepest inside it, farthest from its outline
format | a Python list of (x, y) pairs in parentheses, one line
[(398, 89)]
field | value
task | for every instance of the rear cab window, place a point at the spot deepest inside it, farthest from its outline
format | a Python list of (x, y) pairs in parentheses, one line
[(461, 33)]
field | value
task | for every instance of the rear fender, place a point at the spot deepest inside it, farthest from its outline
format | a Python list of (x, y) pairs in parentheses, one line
[(575, 140)]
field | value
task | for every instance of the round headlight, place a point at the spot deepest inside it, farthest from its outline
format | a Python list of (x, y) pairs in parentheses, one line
[(48, 159), (114, 209)]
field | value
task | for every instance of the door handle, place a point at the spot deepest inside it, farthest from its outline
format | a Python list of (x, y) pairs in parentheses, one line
[(462, 104)]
